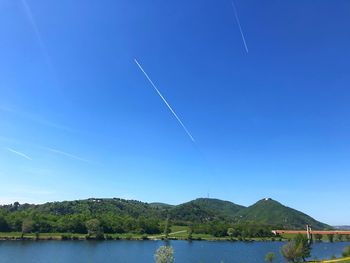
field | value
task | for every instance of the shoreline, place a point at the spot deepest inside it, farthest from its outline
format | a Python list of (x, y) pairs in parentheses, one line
[(82, 237)]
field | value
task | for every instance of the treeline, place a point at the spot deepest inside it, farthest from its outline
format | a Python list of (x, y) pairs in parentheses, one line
[(118, 216), (226, 229), (113, 217)]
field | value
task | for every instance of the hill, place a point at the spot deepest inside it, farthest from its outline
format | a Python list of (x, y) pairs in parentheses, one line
[(117, 215), (205, 209), (271, 212), (161, 205)]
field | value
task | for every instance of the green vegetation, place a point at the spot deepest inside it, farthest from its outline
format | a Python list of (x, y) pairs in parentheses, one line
[(297, 250), (270, 257), (118, 218), (346, 252), (204, 209), (270, 212), (164, 254)]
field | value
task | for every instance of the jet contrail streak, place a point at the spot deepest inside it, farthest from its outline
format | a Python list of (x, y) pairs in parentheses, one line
[(239, 25), (67, 154), (172, 111), (20, 154), (37, 32)]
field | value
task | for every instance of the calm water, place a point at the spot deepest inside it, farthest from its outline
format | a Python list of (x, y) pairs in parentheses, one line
[(142, 251)]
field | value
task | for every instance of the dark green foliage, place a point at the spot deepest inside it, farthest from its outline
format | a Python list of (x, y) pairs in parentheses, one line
[(94, 227), (330, 238), (340, 237), (318, 237), (114, 215), (161, 205), (346, 252), (270, 257), (4, 227), (297, 249), (205, 209), (302, 242)]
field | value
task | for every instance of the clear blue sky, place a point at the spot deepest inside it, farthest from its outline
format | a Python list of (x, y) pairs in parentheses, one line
[(78, 118)]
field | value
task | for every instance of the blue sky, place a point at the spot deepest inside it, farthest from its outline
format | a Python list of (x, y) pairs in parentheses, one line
[(78, 118)]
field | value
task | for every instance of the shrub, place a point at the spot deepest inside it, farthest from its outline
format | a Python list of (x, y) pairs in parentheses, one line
[(66, 237), (269, 257), (346, 252), (164, 254)]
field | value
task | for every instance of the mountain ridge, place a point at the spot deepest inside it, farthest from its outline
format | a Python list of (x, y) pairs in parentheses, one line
[(201, 210)]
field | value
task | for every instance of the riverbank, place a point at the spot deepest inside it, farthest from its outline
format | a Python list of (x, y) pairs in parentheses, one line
[(336, 260), (180, 235)]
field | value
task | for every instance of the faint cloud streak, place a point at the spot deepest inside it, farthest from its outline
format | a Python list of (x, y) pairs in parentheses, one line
[(72, 156), (19, 154), (239, 25), (36, 119), (31, 19)]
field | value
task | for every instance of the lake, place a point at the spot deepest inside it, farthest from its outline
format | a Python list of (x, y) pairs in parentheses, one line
[(142, 251)]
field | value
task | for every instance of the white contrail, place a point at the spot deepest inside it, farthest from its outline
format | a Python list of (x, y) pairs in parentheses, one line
[(239, 25), (37, 32), (66, 154), (20, 154), (172, 111)]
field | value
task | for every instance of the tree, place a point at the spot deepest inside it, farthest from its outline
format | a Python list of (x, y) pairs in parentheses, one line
[(291, 252), (4, 227), (230, 232), (330, 237), (166, 228), (304, 244), (164, 254), (269, 257), (16, 205), (190, 233), (340, 237), (93, 227), (318, 237), (346, 252), (299, 248), (27, 226)]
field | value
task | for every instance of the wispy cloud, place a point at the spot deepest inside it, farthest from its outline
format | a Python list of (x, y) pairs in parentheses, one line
[(19, 153), (239, 25), (72, 156), (164, 100), (32, 21), (35, 119)]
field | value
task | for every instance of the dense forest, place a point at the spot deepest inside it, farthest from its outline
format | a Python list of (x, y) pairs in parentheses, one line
[(207, 216)]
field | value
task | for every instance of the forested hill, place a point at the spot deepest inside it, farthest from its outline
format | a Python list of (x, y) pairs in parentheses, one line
[(271, 212), (122, 216), (205, 209)]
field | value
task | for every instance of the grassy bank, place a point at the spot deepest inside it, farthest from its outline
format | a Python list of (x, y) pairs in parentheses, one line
[(337, 260), (178, 233)]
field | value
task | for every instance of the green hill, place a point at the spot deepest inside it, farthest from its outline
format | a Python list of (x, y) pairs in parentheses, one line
[(271, 212), (205, 209), (161, 205), (129, 216)]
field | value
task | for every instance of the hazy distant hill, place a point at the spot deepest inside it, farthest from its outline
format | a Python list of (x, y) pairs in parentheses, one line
[(342, 227), (271, 212)]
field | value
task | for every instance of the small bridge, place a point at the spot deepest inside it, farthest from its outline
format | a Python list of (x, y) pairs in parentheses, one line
[(309, 232), (312, 232)]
